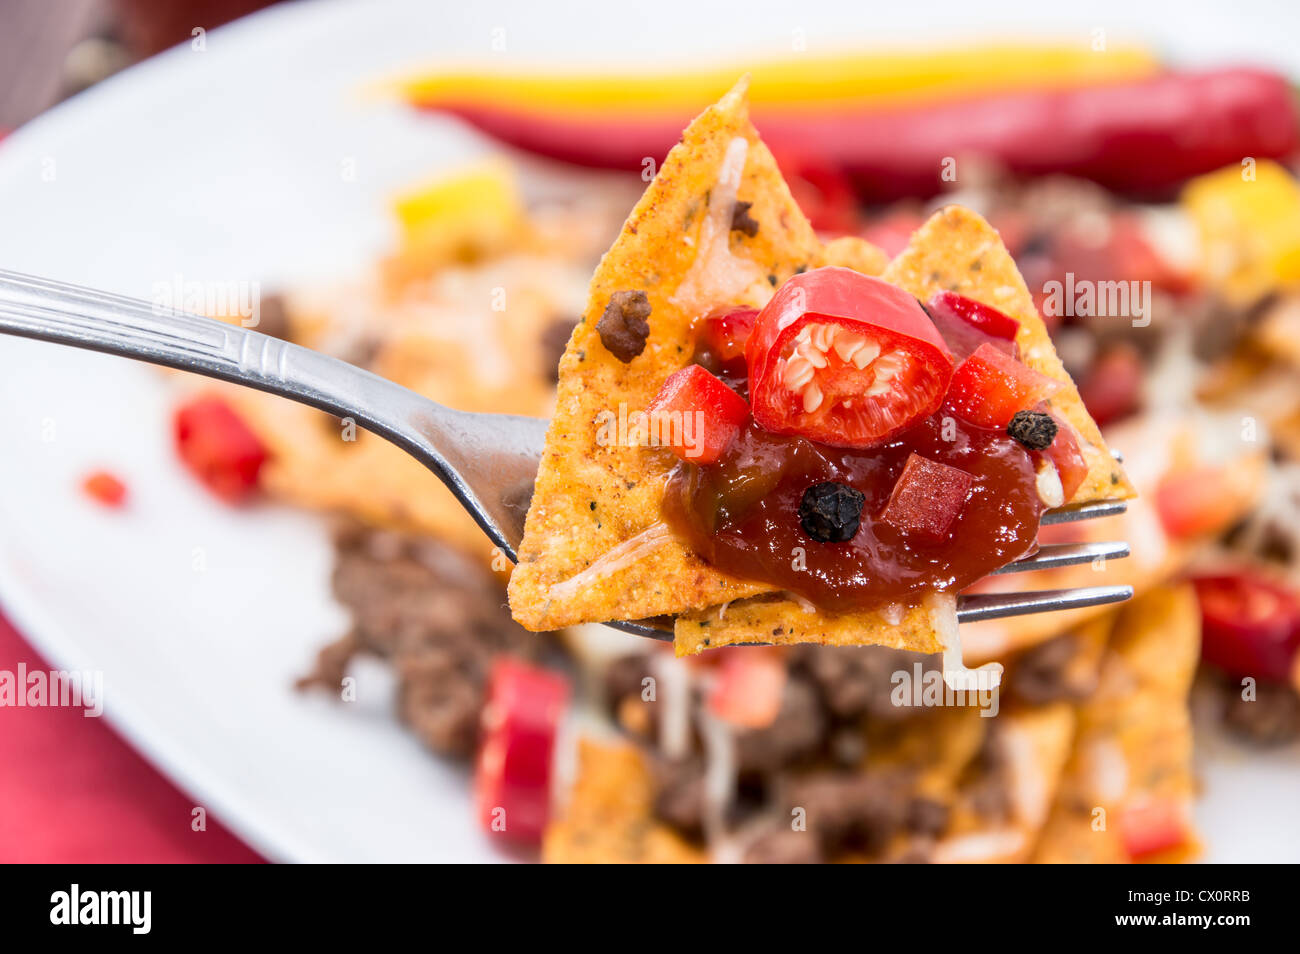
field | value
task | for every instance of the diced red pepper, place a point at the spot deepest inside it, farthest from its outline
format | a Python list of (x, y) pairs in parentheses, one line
[(1151, 826), (512, 778), (1068, 457), (927, 498), (727, 332), (1250, 625), (105, 488), (218, 447), (990, 386), (748, 685), (1196, 502), (696, 415)]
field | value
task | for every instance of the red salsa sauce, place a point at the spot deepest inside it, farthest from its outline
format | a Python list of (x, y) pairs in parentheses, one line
[(741, 513)]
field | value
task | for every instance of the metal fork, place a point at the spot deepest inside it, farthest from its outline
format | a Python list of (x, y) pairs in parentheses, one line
[(489, 461)]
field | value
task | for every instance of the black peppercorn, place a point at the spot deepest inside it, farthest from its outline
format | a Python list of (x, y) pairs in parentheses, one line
[(831, 512), (1034, 429)]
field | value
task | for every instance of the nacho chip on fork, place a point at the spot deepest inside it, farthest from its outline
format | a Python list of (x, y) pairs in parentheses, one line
[(594, 547)]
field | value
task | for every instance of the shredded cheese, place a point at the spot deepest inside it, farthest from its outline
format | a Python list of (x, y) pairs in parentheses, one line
[(673, 694)]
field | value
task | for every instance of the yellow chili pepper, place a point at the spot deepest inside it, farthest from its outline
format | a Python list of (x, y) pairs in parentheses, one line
[(808, 81)]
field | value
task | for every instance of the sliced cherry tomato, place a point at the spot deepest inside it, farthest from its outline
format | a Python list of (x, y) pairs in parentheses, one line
[(695, 415), (105, 488), (512, 777), (966, 324), (990, 386), (1250, 625), (927, 498), (727, 332), (1152, 825), (1112, 387), (845, 360), (1066, 454), (218, 447), (748, 685), (1196, 502)]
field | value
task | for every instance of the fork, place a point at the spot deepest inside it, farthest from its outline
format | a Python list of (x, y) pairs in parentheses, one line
[(488, 461)]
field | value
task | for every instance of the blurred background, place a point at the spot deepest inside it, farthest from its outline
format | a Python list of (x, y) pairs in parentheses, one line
[(300, 632)]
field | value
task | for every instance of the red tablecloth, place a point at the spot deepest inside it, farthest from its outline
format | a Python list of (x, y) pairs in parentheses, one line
[(71, 790)]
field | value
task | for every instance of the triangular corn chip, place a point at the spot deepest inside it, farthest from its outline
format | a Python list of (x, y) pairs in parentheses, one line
[(594, 546)]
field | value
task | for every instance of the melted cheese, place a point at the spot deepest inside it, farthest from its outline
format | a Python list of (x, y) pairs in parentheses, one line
[(717, 276), (942, 608), (611, 561)]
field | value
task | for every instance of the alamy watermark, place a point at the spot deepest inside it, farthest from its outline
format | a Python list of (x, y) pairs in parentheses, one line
[(54, 688), (924, 688), (661, 428), (1084, 298), (231, 299)]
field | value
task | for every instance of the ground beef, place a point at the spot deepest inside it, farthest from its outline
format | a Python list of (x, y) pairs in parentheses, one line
[(986, 782), (742, 221), (927, 817), (1044, 673), (436, 615), (679, 794), (855, 681), (1273, 718), (623, 327), (796, 735), (849, 810), (784, 846)]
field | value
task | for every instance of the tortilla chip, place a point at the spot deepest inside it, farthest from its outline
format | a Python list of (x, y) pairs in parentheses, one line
[(608, 817), (1135, 736), (594, 548)]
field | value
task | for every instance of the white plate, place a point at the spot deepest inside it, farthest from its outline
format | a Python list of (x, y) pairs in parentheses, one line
[(255, 159)]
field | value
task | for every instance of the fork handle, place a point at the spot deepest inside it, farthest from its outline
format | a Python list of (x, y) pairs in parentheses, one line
[(455, 445)]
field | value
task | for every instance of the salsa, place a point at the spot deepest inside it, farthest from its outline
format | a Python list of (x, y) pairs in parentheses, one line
[(741, 514), (943, 502)]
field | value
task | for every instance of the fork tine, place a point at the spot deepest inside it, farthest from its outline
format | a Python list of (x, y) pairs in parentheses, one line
[(1085, 511), (977, 606), (1067, 554)]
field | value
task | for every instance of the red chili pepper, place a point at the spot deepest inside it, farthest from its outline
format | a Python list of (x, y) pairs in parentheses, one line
[(105, 488), (219, 448), (727, 333), (512, 778), (696, 416), (1250, 625), (845, 360), (1141, 136), (966, 324)]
